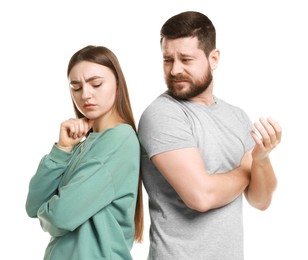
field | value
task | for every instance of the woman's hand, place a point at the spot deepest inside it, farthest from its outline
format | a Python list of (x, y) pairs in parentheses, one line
[(72, 131)]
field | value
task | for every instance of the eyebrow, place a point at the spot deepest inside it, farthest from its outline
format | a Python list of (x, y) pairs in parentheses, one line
[(73, 82), (181, 55)]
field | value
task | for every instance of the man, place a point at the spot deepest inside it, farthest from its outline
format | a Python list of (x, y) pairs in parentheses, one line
[(200, 154)]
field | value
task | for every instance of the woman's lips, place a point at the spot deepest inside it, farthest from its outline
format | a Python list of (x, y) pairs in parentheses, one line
[(89, 106)]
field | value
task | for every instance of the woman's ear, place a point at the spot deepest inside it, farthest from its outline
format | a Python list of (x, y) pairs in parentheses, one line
[(214, 58)]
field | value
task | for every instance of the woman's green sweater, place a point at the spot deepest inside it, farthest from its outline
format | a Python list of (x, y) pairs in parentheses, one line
[(86, 199)]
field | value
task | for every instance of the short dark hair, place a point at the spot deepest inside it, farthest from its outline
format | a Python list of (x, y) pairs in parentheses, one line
[(191, 24)]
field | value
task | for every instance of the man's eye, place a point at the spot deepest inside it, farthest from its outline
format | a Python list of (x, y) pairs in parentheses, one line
[(167, 60), (96, 85)]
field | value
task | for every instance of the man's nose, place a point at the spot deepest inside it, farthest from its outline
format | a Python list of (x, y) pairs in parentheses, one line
[(177, 68)]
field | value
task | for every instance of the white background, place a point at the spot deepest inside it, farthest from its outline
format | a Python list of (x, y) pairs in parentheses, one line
[(263, 69)]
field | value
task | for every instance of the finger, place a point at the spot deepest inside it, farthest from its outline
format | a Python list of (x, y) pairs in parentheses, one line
[(87, 124), (256, 138), (71, 129), (270, 132), (81, 128), (277, 128), (74, 130), (263, 133)]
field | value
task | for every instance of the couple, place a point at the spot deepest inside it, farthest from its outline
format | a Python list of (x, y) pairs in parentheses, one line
[(198, 155)]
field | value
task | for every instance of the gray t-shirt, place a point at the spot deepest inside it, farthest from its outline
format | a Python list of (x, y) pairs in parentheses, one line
[(222, 134)]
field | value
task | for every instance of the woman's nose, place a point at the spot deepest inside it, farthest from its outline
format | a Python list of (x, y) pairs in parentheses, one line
[(86, 92)]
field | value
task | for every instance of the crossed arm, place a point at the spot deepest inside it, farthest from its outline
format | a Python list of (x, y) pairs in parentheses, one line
[(202, 191)]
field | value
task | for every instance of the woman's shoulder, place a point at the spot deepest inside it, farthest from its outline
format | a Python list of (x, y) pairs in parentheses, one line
[(117, 135), (118, 130), (121, 131), (112, 140)]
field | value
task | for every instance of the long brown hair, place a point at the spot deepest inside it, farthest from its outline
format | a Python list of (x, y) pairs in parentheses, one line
[(103, 56)]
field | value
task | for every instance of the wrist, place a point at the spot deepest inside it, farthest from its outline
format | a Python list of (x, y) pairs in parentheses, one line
[(64, 148), (261, 161)]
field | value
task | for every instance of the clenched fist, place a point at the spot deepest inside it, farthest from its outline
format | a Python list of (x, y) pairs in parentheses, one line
[(72, 131)]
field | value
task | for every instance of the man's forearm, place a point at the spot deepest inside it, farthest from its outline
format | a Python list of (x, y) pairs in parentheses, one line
[(228, 186), (262, 184)]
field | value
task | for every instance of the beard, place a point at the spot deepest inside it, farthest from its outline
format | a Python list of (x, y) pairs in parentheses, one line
[(193, 90)]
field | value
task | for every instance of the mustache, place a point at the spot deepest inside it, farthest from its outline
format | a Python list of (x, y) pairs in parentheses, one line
[(172, 79), (178, 78)]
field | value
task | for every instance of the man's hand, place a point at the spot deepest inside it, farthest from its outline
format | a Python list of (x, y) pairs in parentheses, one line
[(262, 179), (270, 136)]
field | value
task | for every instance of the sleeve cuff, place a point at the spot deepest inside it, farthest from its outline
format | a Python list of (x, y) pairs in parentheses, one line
[(58, 155)]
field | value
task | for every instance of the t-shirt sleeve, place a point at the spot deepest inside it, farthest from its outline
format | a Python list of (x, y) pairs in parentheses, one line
[(163, 127)]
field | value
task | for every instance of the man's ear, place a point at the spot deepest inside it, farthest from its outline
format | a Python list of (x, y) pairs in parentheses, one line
[(214, 58)]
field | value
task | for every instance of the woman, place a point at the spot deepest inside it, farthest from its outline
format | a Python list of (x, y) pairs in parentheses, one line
[(87, 191)]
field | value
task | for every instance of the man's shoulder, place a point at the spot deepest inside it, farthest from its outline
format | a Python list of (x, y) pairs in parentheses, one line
[(163, 98), (161, 104), (160, 112)]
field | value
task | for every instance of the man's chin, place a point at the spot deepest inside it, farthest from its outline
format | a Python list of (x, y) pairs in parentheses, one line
[(182, 95)]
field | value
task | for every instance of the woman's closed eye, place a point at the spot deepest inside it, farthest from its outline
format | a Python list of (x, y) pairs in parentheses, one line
[(75, 87)]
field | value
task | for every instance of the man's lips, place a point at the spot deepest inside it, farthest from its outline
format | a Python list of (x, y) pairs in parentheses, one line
[(179, 82)]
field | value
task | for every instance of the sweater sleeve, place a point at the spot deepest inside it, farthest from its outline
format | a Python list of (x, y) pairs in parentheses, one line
[(77, 201), (44, 184), (92, 186)]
